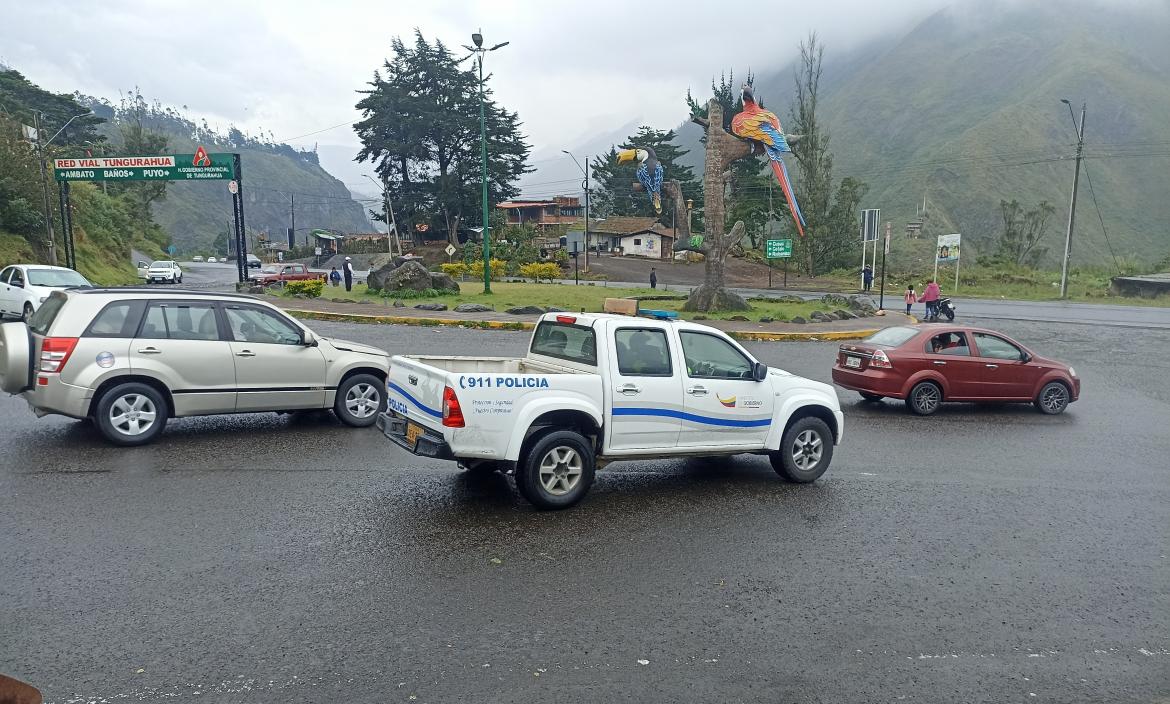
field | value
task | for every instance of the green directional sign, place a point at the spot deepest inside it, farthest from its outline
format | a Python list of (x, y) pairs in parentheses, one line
[(199, 166), (778, 249)]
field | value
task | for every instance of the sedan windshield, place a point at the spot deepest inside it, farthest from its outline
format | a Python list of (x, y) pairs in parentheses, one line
[(56, 278)]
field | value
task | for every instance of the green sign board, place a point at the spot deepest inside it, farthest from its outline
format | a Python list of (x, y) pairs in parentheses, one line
[(778, 249), (199, 166)]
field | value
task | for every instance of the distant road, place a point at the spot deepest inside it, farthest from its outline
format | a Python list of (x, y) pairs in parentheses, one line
[(203, 275)]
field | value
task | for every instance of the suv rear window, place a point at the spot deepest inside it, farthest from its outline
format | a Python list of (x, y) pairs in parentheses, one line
[(574, 343), (891, 337), (43, 318), (118, 319)]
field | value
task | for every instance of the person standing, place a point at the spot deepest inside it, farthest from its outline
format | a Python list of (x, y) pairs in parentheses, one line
[(867, 277), (653, 278), (910, 298), (335, 277), (348, 270), (930, 296)]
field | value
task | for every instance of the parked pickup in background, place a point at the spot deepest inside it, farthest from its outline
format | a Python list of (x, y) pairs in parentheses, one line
[(596, 388), (277, 274)]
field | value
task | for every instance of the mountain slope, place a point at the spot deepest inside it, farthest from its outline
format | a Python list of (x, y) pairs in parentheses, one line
[(964, 110)]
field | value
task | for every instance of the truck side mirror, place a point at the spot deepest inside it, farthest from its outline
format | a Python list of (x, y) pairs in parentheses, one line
[(760, 371)]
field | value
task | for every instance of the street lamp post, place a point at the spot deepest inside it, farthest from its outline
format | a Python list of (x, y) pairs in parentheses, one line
[(477, 39), (388, 214), (585, 185), (1072, 206), (37, 117)]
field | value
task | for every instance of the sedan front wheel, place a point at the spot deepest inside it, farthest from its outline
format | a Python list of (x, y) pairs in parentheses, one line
[(925, 398), (1052, 399)]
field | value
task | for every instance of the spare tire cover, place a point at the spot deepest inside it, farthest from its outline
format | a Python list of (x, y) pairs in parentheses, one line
[(14, 357)]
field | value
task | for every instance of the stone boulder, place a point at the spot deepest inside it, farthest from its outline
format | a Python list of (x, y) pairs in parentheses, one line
[(411, 276), (766, 319), (473, 308), (789, 299), (443, 283), (845, 315), (862, 302), (376, 279), (739, 318), (526, 310), (398, 303), (834, 299), (821, 316), (431, 306), (798, 320)]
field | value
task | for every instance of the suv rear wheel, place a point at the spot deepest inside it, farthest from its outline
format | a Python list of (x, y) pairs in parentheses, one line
[(131, 414)]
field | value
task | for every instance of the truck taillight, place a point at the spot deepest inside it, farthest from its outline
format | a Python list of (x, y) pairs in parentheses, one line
[(567, 319), (880, 361), (452, 412), (55, 353)]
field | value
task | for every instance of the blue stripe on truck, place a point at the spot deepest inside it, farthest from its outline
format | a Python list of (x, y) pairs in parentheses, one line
[(429, 411), (705, 420)]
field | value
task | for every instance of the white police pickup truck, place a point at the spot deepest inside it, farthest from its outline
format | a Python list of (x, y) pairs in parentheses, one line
[(597, 388)]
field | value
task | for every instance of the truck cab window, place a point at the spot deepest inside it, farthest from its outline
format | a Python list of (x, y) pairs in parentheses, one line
[(642, 352), (710, 357)]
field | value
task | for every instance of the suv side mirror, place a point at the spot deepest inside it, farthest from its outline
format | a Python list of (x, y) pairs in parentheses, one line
[(760, 371)]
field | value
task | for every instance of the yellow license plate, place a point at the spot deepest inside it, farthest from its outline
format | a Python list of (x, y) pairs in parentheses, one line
[(413, 432)]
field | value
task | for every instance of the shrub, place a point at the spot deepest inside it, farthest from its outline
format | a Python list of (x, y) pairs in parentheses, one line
[(547, 270), (475, 269), (455, 269), (311, 288)]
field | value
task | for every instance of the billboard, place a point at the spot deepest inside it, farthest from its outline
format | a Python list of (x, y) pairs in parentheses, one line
[(869, 224), (948, 248)]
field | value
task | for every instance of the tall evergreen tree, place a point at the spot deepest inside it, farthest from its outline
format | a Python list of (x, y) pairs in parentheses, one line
[(420, 128), (615, 182)]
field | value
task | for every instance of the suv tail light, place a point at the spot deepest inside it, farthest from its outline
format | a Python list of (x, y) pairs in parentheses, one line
[(55, 353), (880, 361), (452, 412)]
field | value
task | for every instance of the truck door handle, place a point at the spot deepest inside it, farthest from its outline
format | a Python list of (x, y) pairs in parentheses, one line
[(245, 353), (993, 366), (149, 350), (629, 389), (941, 364), (697, 391)]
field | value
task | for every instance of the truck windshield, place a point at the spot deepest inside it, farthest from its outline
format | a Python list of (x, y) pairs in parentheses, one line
[(575, 343)]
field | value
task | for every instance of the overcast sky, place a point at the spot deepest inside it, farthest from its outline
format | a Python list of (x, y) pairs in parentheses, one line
[(573, 69)]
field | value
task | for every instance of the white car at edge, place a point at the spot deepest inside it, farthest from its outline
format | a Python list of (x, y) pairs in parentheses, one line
[(164, 272), (24, 287)]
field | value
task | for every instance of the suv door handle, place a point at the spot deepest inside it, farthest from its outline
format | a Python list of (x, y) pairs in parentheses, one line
[(245, 353), (629, 389), (697, 391), (993, 366), (149, 350)]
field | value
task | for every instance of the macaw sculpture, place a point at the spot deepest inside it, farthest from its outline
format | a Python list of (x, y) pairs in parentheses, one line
[(649, 173), (763, 127)]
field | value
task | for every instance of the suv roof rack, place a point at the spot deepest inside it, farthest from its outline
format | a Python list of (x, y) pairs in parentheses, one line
[(154, 291)]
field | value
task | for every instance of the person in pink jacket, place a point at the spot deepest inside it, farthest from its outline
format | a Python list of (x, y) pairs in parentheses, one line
[(930, 297), (910, 297)]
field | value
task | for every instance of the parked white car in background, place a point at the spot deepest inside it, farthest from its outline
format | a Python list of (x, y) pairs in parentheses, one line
[(24, 287), (212, 260), (196, 258), (164, 272)]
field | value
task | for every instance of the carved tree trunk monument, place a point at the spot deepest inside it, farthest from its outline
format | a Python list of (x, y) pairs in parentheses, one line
[(721, 150)]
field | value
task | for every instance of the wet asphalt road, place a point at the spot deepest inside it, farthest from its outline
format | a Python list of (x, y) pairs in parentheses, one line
[(981, 555)]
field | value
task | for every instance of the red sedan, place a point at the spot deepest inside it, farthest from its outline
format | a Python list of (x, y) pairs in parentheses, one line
[(929, 364)]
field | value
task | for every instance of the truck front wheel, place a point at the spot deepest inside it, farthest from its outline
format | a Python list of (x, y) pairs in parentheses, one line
[(557, 470), (805, 451)]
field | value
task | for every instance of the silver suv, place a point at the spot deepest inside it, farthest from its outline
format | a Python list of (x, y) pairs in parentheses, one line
[(131, 358)]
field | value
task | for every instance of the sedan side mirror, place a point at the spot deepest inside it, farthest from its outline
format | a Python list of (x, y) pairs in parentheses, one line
[(308, 339), (17, 284), (1025, 357), (760, 371)]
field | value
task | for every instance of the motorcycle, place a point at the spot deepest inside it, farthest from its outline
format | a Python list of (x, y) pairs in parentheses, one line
[(943, 307)]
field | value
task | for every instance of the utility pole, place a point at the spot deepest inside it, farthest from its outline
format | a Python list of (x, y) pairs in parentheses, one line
[(389, 215), (45, 188), (477, 40), (1072, 206), (586, 214), (292, 214)]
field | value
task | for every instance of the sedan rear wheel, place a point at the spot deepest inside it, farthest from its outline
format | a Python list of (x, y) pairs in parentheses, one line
[(925, 398), (1052, 399)]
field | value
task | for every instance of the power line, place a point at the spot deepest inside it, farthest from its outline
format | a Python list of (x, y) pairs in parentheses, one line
[(1100, 219)]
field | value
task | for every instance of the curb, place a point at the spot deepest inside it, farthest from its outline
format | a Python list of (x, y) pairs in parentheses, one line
[(745, 335)]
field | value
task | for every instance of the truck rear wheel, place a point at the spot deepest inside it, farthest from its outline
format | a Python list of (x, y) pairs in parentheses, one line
[(557, 470)]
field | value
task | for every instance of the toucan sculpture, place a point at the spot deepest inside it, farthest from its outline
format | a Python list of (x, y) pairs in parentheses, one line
[(649, 173), (762, 126)]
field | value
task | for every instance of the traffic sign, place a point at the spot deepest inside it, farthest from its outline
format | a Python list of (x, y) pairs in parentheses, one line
[(450, 250), (233, 187), (171, 250), (778, 249), (200, 166)]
